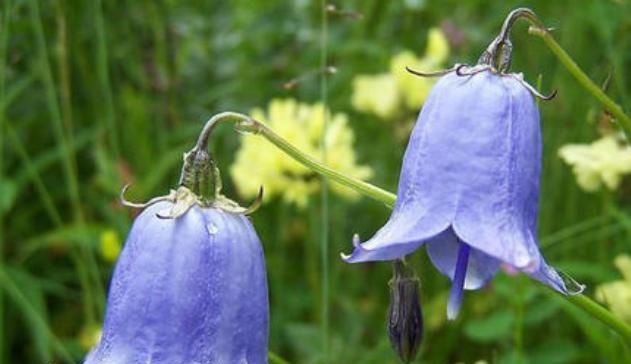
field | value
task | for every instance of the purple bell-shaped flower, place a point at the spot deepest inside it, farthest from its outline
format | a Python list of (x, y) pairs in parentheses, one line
[(469, 184), (190, 284)]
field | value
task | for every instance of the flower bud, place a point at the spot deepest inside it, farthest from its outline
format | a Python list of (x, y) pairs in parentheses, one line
[(405, 320)]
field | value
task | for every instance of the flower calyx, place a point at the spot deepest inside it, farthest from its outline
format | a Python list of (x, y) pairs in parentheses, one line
[(497, 56), (200, 181)]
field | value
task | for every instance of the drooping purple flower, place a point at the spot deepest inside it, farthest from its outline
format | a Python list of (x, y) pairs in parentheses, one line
[(469, 184), (190, 284), (187, 290)]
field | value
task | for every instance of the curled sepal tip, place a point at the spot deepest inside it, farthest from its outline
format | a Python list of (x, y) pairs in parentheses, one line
[(231, 206), (497, 56), (431, 73), (533, 90), (125, 202)]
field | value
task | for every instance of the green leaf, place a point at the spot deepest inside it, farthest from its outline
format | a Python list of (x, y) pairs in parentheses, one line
[(8, 191), (490, 328), (555, 352)]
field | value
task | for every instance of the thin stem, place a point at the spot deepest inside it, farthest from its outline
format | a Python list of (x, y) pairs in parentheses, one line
[(360, 186), (104, 80), (498, 53), (4, 40), (603, 315), (275, 358), (31, 314), (389, 199), (211, 124), (324, 189), (250, 125), (95, 287), (583, 79)]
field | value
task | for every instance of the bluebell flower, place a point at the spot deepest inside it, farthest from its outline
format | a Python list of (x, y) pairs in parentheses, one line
[(190, 284), (187, 290), (469, 184)]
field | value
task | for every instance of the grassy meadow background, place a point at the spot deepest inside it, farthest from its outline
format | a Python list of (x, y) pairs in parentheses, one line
[(97, 94)]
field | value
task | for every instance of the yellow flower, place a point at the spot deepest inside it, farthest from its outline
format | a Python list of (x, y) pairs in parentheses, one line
[(384, 94), (258, 162), (110, 245), (617, 294), (89, 336), (413, 89), (376, 94), (437, 49), (604, 161)]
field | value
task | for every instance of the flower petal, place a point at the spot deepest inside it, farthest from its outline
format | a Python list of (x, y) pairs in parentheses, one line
[(443, 252), (497, 211), (191, 289)]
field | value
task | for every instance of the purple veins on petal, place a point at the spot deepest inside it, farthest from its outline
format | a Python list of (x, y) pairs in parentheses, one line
[(457, 286)]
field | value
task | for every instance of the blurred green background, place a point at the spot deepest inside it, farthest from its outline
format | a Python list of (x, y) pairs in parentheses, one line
[(96, 94)]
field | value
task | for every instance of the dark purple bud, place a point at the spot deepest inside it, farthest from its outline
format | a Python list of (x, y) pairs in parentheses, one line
[(405, 319)]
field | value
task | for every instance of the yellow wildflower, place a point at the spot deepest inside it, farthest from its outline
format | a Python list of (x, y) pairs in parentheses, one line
[(617, 294), (413, 89), (376, 94), (383, 94), (89, 336), (110, 245), (258, 162), (437, 49), (604, 161)]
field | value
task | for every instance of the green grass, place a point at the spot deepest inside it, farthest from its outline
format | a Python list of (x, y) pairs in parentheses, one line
[(97, 94)]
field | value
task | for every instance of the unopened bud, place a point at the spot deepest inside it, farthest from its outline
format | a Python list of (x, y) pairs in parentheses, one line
[(405, 320)]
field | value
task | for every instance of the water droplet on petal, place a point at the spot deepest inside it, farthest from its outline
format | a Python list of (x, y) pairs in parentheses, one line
[(212, 228)]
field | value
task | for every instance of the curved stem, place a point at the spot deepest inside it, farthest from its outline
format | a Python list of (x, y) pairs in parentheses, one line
[(498, 53), (199, 171), (389, 199), (372, 191), (602, 314), (247, 124), (211, 124), (582, 78)]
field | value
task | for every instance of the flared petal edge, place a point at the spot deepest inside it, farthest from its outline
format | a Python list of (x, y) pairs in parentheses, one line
[(379, 249)]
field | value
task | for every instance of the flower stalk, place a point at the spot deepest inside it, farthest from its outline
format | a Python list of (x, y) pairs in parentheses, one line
[(249, 125), (623, 119)]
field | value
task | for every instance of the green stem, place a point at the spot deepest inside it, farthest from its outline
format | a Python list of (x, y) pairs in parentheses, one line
[(31, 313), (372, 191), (249, 125), (324, 190), (388, 198), (275, 359), (4, 41), (583, 79), (103, 77), (603, 315), (95, 288)]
